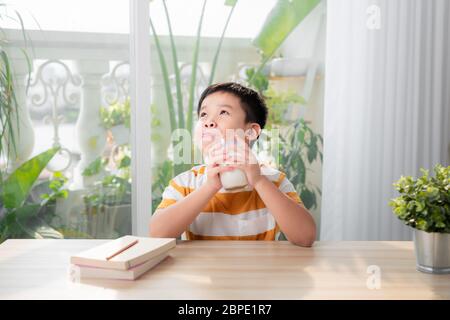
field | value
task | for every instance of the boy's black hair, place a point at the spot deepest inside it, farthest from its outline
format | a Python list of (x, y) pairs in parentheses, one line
[(251, 101)]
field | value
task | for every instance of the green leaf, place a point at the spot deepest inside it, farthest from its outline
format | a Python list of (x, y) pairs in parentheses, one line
[(63, 193), (125, 162), (301, 136), (312, 150), (192, 83), (27, 212), (176, 70), (166, 81), (18, 184), (284, 17), (9, 228), (301, 170), (424, 203), (94, 167), (257, 79), (230, 2), (308, 198)]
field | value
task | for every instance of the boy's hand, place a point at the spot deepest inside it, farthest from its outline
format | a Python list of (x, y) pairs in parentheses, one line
[(216, 157), (241, 156)]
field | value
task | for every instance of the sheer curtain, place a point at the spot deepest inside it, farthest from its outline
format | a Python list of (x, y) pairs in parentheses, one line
[(386, 111)]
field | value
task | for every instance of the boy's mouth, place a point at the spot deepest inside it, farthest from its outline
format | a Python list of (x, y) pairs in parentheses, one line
[(207, 136), (210, 135)]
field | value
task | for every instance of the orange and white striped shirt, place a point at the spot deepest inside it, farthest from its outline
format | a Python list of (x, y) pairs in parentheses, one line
[(229, 215)]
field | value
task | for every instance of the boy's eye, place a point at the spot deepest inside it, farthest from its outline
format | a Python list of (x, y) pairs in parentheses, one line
[(224, 112)]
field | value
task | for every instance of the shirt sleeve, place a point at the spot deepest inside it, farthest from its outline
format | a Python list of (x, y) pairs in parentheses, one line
[(285, 186), (172, 193)]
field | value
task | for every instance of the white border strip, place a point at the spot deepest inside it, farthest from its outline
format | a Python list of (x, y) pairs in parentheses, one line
[(140, 125)]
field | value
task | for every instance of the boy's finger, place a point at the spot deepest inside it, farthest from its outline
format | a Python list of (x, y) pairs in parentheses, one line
[(242, 158), (215, 153), (219, 169), (236, 158), (216, 147), (218, 159), (218, 151), (225, 168)]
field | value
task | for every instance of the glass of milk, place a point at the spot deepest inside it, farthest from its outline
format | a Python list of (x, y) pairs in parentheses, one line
[(234, 179)]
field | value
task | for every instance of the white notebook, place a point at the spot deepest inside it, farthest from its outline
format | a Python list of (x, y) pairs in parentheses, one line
[(82, 272), (144, 250)]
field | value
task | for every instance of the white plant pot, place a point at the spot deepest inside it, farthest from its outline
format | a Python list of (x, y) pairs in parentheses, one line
[(121, 134)]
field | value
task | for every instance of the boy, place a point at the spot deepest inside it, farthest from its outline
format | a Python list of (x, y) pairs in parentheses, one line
[(195, 203)]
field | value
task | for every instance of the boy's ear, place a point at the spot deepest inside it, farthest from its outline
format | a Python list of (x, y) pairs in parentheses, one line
[(253, 132)]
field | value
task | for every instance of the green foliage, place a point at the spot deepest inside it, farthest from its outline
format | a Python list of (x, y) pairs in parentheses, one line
[(299, 147), (115, 187), (278, 103), (20, 219), (257, 80), (111, 190), (165, 172), (232, 4), (57, 187), (17, 186), (424, 203), (284, 17), (95, 167), (155, 123), (116, 114), (9, 117), (185, 113)]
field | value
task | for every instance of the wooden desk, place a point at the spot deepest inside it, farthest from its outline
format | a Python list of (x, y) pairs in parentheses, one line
[(31, 269)]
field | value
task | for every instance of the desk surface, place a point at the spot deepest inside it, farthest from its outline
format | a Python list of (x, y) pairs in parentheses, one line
[(37, 269)]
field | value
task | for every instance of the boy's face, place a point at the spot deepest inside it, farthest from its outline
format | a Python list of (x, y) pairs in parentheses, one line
[(219, 111)]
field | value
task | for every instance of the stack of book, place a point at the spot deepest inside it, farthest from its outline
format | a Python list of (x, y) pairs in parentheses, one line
[(124, 258)]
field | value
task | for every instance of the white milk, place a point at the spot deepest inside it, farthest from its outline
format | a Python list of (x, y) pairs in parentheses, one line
[(235, 179)]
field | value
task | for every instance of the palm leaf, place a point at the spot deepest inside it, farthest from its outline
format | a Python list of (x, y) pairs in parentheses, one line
[(8, 104), (165, 74), (284, 17), (18, 185), (231, 3), (176, 70), (194, 70)]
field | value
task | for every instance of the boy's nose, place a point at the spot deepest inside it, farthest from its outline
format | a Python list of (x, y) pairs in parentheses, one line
[(210, 124)]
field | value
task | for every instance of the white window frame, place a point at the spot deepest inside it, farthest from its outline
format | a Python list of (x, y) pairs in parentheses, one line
[(140, 125)]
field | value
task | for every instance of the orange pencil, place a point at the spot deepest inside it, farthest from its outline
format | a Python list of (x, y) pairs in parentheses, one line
[(122, 250)]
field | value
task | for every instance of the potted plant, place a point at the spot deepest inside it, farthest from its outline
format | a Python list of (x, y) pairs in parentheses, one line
[(424, 204), (107, 202), (108, 208), (50, 193)]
